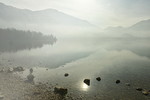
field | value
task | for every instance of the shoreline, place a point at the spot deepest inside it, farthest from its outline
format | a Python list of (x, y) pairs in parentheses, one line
[(12, 87)]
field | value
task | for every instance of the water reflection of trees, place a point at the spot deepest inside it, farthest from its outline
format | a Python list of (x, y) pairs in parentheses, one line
[(12, 40)]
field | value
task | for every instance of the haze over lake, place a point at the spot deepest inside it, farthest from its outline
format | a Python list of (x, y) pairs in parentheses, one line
[(54, 41)]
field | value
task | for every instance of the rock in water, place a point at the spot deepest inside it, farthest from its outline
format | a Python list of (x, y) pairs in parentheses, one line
[(61, 91), (139, 89), (98, 79), (66, 74), (87, 81), (30, 78), (117, 81), (145, 92), (19, 68)]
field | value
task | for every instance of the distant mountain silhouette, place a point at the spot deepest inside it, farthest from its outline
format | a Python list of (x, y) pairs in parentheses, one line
[(12, 40), (138, 30), (141, 26), (51, 16), (48, 20)]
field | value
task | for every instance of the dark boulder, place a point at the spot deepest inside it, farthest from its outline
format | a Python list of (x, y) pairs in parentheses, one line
[(98, 79), (139, 89), (117, 81), (66, 74), (87, 81)]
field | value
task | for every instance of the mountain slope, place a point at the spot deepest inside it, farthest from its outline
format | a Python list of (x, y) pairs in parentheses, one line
[(51, 16), (46, 21), (141, 26)]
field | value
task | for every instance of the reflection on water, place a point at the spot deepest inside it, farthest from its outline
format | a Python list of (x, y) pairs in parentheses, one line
[(84, 87), (111, 59), (12, 40)]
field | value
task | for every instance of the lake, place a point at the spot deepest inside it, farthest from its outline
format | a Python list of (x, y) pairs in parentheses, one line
[(127, 60)]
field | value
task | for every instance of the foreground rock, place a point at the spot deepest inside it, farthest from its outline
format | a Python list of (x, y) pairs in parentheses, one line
[(117, 81), (87, 81), (139, 89), (98, 79), (14, 88), (66, 74), (30, 78), (19, 68), (61, 91)]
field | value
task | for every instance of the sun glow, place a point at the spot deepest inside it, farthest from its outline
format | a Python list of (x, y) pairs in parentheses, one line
[(84, 5), (84, 87)]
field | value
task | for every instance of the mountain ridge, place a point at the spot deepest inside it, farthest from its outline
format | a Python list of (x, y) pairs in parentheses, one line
[(45, 15)]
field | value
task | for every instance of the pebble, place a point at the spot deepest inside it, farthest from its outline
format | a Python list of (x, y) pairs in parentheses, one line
[(66, 74), (117, 81), (87, 81), (98, 79), (139, 89)]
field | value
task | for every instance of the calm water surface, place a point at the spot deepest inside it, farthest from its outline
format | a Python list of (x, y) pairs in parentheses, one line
[(125, 59)]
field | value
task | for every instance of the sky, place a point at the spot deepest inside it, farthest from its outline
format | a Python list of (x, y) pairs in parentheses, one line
[(103, 13)]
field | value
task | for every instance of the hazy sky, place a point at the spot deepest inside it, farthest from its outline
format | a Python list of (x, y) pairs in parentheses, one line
[(99, 12)]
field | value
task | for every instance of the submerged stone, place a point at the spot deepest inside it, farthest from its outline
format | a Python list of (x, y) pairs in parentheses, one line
[(87, 81), (61, 91), (117, 81)]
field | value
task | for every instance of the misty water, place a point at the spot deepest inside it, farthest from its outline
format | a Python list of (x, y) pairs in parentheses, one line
[(109, 58)]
